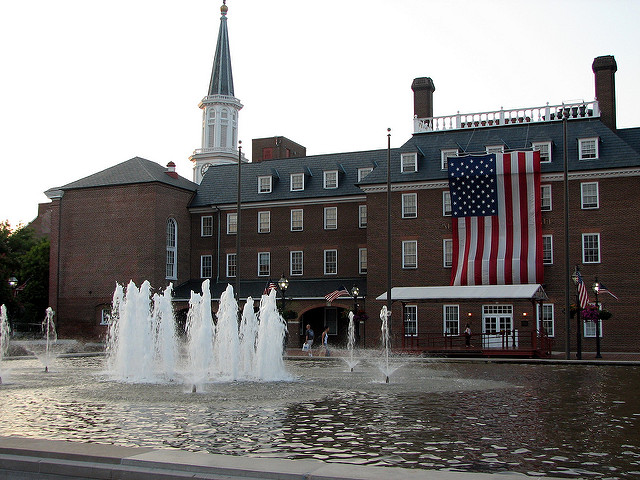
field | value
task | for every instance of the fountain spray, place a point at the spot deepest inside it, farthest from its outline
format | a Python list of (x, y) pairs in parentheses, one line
[(49, 329), (4, 334), (385, 339)]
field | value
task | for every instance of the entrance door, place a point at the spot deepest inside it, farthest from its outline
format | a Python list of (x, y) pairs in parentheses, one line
[(497, 325)]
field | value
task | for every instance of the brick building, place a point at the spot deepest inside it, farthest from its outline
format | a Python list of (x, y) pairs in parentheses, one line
[(321, 222)]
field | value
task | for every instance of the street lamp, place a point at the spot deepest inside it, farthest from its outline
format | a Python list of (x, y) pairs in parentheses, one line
[(13, 282), (283, 284), (355, 291), (596, 289), (575, 277)]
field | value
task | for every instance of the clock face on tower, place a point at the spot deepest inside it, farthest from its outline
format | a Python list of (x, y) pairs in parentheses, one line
[(204, 168)]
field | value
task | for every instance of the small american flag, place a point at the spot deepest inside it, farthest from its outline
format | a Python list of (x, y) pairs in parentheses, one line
[(582, 292), (270, 286), (336, 293), (604, 289)]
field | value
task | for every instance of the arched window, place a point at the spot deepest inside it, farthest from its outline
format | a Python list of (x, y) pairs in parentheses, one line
[(172, 249), (211, 127), (224, 128)]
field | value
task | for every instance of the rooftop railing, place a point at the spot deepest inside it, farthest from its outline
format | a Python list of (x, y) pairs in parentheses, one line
[(572, 110)]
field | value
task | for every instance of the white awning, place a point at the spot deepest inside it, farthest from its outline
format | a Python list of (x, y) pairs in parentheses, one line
[(475, 292)]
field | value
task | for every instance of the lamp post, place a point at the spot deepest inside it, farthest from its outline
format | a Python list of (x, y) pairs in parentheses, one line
[(596, 289), (238, 208), (355, 291), (283, 284), (13, 283), (574, 277)]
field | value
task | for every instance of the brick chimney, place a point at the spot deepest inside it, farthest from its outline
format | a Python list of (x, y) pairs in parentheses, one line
[(423, 89), (171, 170), (604, 69)]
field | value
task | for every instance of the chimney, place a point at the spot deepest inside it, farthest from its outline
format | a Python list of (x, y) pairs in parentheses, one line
[(604, 69), (171, 170), (423, 89)]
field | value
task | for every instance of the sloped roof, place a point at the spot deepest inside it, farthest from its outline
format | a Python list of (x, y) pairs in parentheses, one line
[(221, 75), (134, 170), (472, 292)]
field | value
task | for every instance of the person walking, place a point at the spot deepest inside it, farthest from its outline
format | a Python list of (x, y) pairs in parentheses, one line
[(325, 342), (467, 336), (308, 340)]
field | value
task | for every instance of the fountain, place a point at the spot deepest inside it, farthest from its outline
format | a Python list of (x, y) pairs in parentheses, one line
[(384, 337), (351, 340), (51, 337), (4, 335)]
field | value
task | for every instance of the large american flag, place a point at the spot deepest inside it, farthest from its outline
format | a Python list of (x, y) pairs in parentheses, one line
[(340, 292), (583, 295), (497, 220)]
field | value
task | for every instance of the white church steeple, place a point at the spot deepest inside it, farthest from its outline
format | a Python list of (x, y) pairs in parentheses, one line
[(219, 111)]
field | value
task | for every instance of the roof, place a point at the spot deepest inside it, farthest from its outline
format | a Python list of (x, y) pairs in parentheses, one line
[(475, 292), (221, 75), (132, 171)]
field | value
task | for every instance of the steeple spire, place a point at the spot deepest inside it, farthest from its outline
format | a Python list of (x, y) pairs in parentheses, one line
[(221, 76)]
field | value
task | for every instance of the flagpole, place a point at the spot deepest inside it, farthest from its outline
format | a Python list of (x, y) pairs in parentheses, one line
[(238, 223), (567, 305), (389, 233)]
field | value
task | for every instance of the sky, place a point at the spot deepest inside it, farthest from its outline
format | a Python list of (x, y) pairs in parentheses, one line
[(88, 84)]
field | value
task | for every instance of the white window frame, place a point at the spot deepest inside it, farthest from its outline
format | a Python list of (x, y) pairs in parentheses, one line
[(410, 318), (264, 221), (447, 252), (588, 148), (328, 263), (545, 150), (409, 162), (264, 260), (265, 184), (294, 222), (494, 148), (232, 265), (206, 226), (547, 322), (206, 266), (550, 239), (295, 261), (363, 172), (330, 179), (446, 203), (445, 154), (584, 251), (171, 269), (408, 210), (584, 205), (407, 255), (362, 216), (451, 316), (296, 178), (232, 219), (545, 195), (362, 261), (105, 316), (330, 220), (589, 328)]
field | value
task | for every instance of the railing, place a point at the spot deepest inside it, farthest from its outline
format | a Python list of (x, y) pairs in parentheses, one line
[(572, 111), (231, 150)]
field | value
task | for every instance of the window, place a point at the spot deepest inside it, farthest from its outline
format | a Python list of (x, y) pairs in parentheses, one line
[(206, 266), (232, 266), (330, 179), (297, 182), (545, 150), (206, 226), (172, 249), (451, 314), (410, 254), (447, 253), (589, 196), (362, 260), (267, 153), (495, 148), (409, 205), (547, 319), (105, 316), (362, 216), (297, 220), (590, 329), (264, 184), (264, 222), (444, 157), (547, 249), (296, 262), (588, 148), (545, 203), (590, 248), (410, 320), (363, 172), (330, 262), (330, 218), (409, 162), (446, 203), (232, 223), (264, 264)]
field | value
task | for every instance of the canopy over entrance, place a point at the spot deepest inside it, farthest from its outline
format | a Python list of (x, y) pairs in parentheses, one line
[(533, 292)]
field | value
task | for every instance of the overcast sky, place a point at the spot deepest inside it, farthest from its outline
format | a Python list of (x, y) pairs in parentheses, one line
[(87, 84)]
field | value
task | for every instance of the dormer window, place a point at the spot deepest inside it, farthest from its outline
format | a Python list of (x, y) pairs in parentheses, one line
[(297, 182), (588, 148), (409, 162), (495, 148), (264, 184), (363, 172), (444, 156), (545, 150), (331, 179)]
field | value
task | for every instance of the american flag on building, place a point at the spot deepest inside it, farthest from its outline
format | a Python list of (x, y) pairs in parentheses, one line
[(341, 292), (583, 295), (497, 219), (270, 286)]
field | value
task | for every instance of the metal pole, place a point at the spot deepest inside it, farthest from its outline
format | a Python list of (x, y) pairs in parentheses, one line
[(389, 324), (578, 323), (238, 221), (596, 289), (567, 305)]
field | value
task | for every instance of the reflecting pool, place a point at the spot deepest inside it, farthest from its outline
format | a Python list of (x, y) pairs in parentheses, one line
[(561, 420)]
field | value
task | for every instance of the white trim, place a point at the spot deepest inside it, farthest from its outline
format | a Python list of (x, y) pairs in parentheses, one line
[(268, 257), (324, 260), (582, 195), (405, 265), (202, 218), (596, 148), (597, 235), (529, 291), (268, 186), (407, 196), (445, 242), (325, 222), (360, 254), (268, 221), (550, 236), (412, 159), (291, 189), (301, 210), (325, 184), (543, 188), (301, 252), (540, 144)]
